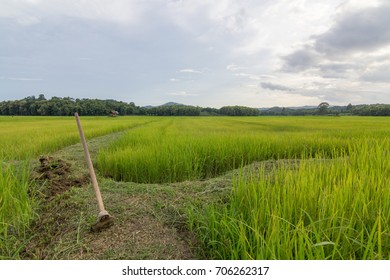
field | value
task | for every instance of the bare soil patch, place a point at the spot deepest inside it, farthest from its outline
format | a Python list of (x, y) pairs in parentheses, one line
[(56, 175)]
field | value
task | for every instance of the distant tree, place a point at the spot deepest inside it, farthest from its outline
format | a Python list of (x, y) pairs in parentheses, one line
[(239, 111), (349, 107), (323, 108), (41, 97)]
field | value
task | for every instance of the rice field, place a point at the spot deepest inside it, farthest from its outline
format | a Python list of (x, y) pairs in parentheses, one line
[(178, 149), (331, 200), (25, 137), (323, 194)]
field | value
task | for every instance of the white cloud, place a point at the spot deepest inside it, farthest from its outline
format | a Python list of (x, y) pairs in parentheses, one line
[(233, 67), (20, 79), (249, 76), (189, 70)]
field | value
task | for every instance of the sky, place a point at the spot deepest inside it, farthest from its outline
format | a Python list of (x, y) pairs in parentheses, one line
[(256, 53)]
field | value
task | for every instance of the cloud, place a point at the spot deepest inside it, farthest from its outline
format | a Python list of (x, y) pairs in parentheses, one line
[(351, 55), (148, 50), (362, 30), (356, 43), (250, 76), (336, 69), (300, 60), (20, 79), (189, 70), (272, 86), (378, 74), (234, 67)]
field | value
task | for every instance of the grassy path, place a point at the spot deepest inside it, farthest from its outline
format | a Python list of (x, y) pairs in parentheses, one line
[(149, 218)]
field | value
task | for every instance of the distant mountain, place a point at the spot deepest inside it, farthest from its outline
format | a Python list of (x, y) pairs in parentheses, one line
[(171, 104), (164, 105), (292, 108)]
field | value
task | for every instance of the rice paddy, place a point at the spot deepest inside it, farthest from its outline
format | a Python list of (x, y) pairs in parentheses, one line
[(178, 149), (324, 195)]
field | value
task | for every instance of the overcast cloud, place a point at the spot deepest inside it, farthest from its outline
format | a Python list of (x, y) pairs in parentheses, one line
[(199, 52)]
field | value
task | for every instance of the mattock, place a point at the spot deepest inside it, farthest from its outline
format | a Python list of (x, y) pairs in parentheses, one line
[(104, 220)]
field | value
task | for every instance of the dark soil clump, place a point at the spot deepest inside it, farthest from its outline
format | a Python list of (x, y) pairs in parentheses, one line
[(56, 175)]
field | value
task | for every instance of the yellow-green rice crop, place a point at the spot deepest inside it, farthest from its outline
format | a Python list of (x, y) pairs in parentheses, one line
[(320, 209), (177, 149), (16, 208), (24, 137), (15, 205)]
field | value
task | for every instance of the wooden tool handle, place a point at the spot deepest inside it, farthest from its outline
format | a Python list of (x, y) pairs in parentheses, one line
[(90, 166)]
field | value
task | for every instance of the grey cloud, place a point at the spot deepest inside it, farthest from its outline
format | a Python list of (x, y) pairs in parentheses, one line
[(300, 60), (336, 69), (381, 74), (365, 29), (330, 53), (272, 86)]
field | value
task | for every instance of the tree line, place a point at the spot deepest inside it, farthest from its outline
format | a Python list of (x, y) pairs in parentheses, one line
[(67, 106), (325, 109)]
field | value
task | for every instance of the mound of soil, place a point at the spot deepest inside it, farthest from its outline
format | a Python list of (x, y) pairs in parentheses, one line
[(57, 176)]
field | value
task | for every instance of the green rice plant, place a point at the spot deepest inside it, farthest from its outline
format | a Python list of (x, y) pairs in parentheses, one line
[(319, 209), (15, 205), (16, 208)]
